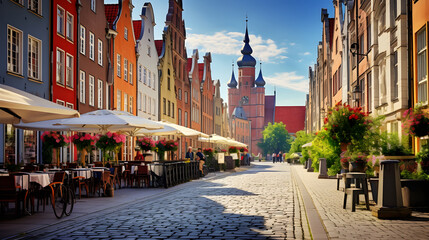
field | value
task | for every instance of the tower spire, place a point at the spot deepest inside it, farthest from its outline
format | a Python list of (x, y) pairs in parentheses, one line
[(246, 60), (232, 83), (260, 82)]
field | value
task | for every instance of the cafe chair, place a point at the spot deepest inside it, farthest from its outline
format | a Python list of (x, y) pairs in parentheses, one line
[(102, 180), (80, 182), (9, 193), (114, 177), (141, 176)]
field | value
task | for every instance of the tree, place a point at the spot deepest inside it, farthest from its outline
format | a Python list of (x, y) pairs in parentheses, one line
[(301, 139), (275, 139)]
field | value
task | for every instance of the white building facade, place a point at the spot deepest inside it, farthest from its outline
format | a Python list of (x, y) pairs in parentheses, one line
[(147, 65)]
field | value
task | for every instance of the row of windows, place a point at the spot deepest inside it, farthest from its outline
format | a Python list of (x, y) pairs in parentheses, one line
[(91, 52), (128, 69), (64, 68), (147, 77), (179, 95), (128, 102), (33, 5), (168, 108), (146, 104), (93, 87), (15, 54), (196, 114)]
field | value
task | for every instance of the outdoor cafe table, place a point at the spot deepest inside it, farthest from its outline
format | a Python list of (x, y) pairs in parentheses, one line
[(81, 172), (24, 179)]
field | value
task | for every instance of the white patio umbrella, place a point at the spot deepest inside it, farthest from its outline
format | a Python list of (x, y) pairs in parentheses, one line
[(17, 105), (110, 120), (214, 138), (235, 143), (51, 125)]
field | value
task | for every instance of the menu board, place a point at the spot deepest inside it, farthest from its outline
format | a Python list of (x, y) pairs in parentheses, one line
[(234, 155), (221, 158)]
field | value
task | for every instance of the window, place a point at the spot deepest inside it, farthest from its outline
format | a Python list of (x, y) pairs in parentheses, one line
[(82, 87), (125, 69), (100, 52), (363, 90), (186, 119), (394, 12), (361, 47), (395, 82), (131, 73), (14, 50), (61, 102), (172, 110), (91, 90), (168, 83), (153, 107), (82, 39), (60, 67), (148, 77), (69, 27), (34, 58), (131, 104), (126, 33), (422, 71), (139, 74), (69, 71), (148, 51), (139, 101), (144, 75), (118, 102), (154, 81), (169, 108), (186, 97), (118, 65), (179, 116), (100, 94), (93, 5), (107, 96), (35, 6), (369, 80), (150, 80), (368, 32), (125, 102), (144, 102), (60, 21), (70, 105), (180, 94), (91, 46), (164, 107), (149, 107)]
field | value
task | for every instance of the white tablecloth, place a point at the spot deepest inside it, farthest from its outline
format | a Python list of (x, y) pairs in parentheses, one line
[(82, 172), (134, 169), (23, 180)]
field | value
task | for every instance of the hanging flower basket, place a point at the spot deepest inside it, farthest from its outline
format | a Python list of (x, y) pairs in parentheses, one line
[(416, 122), (146, 144)]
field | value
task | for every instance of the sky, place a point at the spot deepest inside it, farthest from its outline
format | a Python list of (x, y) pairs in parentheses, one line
[(284, 35)]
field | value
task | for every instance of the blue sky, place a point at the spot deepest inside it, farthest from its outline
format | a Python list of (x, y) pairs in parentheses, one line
[(283, 34)]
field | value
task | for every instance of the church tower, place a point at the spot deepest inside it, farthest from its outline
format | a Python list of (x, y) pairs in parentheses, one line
[(249, 92)]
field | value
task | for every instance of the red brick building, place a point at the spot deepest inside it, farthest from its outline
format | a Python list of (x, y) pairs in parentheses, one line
[(292, 116)]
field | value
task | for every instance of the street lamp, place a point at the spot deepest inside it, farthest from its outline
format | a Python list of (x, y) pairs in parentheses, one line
[(356, 93)]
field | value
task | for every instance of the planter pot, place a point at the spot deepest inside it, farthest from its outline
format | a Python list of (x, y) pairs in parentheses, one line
[(345, 165), (414, 192), (357, 166)]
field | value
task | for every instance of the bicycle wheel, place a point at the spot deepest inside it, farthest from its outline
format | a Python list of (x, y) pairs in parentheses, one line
[(70, 199), (205, 171), (58, 201)]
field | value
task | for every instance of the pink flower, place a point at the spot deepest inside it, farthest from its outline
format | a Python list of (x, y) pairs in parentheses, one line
[(109, 134)]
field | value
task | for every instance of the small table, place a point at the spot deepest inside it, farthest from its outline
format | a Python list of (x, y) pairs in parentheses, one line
[(360, 187), (81, 172)]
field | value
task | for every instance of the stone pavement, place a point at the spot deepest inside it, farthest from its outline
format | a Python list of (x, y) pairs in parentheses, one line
[(344, 224), (260, 203)]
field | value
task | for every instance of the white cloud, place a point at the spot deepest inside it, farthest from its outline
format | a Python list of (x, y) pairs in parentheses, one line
[(188, 29), (230, 43), (288, 80), (292, 44), (306, 53)]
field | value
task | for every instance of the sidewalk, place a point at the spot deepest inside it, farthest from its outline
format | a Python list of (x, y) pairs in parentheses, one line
[(342, 223), (86, 206)]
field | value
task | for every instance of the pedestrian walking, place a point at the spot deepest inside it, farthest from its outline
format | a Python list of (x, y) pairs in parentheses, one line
[(274, 157), (280, 157)]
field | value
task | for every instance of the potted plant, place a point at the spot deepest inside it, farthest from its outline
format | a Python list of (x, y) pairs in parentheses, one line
[(423, 158), (416, 122), (110, 142), (83, 143), (345, 124), (54, 140), (162, 146), (357, 161), (391, 148), (233, 149), (145, 144)]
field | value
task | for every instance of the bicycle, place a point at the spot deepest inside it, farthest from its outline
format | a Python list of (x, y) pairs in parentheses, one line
[(205, 170), (62, 196)]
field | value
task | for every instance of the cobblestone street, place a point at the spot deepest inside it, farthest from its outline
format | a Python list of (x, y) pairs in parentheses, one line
[(255, 204)]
